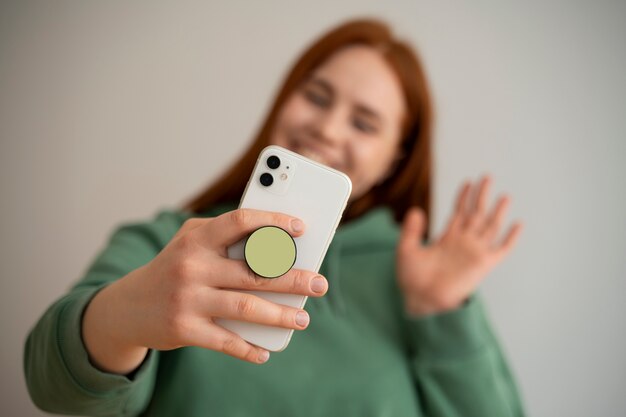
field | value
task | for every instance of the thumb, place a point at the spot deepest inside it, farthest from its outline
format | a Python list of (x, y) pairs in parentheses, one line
[(412, 229)]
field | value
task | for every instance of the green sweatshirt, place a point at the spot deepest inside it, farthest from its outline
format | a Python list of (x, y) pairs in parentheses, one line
[(361, 354)]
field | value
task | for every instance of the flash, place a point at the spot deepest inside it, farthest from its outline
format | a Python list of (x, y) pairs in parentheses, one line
[(283, 177)]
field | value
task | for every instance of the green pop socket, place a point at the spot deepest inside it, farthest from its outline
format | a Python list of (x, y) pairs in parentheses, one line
[(270, 251)]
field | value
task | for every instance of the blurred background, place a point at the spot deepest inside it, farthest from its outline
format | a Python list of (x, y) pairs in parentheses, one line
[(112, 110)]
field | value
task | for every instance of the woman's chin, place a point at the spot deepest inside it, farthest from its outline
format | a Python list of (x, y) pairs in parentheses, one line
[(308, 153)]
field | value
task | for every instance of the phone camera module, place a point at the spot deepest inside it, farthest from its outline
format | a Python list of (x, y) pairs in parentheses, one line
[(267, 179), (273, 162)]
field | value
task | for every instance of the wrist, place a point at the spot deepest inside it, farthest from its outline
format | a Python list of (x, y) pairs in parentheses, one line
[(419, 307), (104, 332)]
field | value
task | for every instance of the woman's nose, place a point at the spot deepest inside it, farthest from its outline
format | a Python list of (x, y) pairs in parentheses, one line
[(330, 126)]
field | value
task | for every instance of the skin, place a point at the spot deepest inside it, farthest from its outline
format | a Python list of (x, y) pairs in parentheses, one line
[(347, 115)]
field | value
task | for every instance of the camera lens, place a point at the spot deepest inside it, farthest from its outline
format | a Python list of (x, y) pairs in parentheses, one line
[(267, 179), (273, 162)]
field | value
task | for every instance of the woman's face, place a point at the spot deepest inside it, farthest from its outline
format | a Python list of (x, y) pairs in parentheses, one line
[(346, 115)]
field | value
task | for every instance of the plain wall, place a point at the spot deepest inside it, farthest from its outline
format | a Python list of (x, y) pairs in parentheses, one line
[(112, 110)]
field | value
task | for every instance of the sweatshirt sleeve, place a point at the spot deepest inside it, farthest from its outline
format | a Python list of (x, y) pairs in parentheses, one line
[(459, 367), (59, 375)]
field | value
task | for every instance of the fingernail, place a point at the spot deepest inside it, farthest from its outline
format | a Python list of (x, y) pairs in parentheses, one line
[(264, 356), (302, 318), (318, 284), (297, 225)]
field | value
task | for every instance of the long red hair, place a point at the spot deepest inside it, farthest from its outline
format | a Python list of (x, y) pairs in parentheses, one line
[(410, 183)]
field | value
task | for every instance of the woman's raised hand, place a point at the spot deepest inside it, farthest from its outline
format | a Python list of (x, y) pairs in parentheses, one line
[(440, 276)]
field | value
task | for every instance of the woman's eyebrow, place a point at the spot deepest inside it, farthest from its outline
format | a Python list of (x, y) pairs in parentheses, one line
[(325, 85), (361, 108)]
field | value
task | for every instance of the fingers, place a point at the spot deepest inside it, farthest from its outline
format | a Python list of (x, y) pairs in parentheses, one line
[(232, 226), (471, 205), (412, 229), (510, 239), (236, 305), (493, 225), (459, 215), (219, 339), (236, 274), (477, 206), (462, 201), (480, 197), (495, 219), (191, 224)]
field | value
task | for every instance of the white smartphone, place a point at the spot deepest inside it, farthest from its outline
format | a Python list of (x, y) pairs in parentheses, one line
[(286, 182)]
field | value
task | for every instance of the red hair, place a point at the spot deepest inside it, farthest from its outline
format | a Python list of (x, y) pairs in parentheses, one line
[(410, 182)]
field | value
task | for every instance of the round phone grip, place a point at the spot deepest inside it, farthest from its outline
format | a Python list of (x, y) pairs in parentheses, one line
[(270, 251)]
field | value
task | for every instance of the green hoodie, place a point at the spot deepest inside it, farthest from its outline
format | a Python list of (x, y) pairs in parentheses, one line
[(361, 355)]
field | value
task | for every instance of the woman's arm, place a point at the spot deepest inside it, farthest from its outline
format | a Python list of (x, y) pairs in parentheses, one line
[(458, 364), (459, 367), (60, 376)]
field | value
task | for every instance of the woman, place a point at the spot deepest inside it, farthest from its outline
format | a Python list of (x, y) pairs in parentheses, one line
[(396, 328)]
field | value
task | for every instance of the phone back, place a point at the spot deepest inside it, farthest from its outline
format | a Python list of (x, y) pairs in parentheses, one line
[(303, 188)]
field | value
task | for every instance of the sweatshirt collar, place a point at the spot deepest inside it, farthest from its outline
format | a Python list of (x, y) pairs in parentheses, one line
[(372, 229)]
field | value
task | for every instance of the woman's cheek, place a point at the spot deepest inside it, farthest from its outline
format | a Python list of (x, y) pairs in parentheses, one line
[(299, 110), (371, 164)]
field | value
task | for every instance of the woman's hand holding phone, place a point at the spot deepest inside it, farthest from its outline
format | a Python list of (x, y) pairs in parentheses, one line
[(171, 301)]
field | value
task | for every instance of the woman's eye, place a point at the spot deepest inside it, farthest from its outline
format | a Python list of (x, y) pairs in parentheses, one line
[(316, 98), (364, 126)]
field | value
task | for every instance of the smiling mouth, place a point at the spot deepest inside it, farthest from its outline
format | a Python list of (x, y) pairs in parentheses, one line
[(310, 153)]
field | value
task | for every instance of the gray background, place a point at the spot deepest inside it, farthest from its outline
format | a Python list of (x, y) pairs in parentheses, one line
[(112, 110)]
